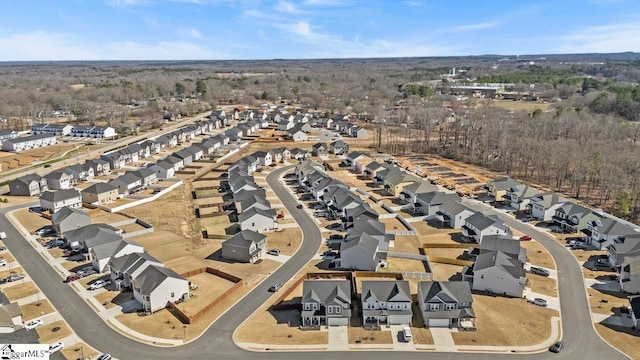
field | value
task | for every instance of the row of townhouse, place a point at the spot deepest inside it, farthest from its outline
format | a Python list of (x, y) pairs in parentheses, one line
[(366, 245), (349, 129), (18, 144), (599, 230), (254, 213), (497, 270), (90, 131), (383, 302), (130, 267)]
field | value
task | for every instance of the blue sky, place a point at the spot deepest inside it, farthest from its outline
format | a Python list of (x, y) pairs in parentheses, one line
[(294, 29)]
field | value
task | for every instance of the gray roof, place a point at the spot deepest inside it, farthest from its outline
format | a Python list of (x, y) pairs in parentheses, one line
[(419, 187), (506, 245), (385, 291), (107, 250), (131, 262), (437, 197), (481, 221), (65, 212), (100, 188), (60, 195), (151, 277), (244, 239), (507, 264), (548, 200), (163, 164), (524, 191), (453, 207), (326, 291), (445, 292), (94, 234), (245, 215), (612, 226), (503, 183)]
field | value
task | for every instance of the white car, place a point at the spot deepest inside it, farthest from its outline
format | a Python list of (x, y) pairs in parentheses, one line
[(3, 262), (56, 347), (33, 324), (539, 302), (99, 284)]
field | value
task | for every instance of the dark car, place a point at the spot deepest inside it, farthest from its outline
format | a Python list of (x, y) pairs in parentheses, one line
[(73, 277), (275, 287), (299, 206), (557, 347), (539, 271)]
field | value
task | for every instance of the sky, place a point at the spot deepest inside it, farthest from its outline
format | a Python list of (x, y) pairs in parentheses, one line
[(40, 30)]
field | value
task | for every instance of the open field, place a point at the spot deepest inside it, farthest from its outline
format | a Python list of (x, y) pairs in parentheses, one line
[(528, 324), (528, 106), (36, 309)]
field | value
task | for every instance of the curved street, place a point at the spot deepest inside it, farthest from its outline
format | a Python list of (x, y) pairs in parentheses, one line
[(217, 342)]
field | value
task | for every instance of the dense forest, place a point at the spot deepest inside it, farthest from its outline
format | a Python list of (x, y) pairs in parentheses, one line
[(584, 142)]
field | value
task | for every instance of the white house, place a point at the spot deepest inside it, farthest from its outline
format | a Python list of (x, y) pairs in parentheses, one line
[(498, 273), (54, 201), (543, 206), (478, 225), (156, 286), (102, 254), (386, 302), (257, 220), (28, 142)]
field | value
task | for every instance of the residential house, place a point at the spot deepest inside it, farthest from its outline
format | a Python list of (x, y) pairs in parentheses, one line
[(246, 246), (372, 169), (54, 129), (498, 273), (571, 217), (627, 245), (178, 163), (386, 302), (257, 220), (285, 125), (454, 214), (156, 286), (123, 269), (299, 154), (100, 166), (326, 303), (127, 184), (603, 230), (91, 235), (629, 274), (445, 303), (634, 309), (395, 181), (8, 134), (319, 149), (264, 158), (338, 147), (543, 206), (297, 134), (116, 160), (56, 200), (58, 180), (102, 254), (80, 173), (499, 187), (163, 169), (519, 196), (479, 225), (510, 246), (357, 161), (92, 131), (28, 185), (100, 194), (148, 176), (10, 318), (358, 132), (429, 203), (153, 146), (365, 252), (67, 219), (185, 155)]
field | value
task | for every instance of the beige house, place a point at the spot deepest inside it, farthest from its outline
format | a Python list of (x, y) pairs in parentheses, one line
[(100, 194)]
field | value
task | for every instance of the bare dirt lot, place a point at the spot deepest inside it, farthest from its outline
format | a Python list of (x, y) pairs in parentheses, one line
[(528, 324), (624, 339), (20, 290), (36, 309), (50, 333), (30, 221), (359, 335)]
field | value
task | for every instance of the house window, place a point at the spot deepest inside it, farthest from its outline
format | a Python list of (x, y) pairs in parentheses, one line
[(330, 310), (481, 276), (450, 306), (433, 307), (338, 310), (173, 295), (307, 306)]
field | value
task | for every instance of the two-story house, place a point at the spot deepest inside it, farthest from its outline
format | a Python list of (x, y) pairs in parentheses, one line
[(56, 200), (326, 302), (386, 302), (445, 303), (246, 246), (478, 225)]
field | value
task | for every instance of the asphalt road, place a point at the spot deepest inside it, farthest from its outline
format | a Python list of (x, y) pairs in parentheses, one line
[(217, 343)]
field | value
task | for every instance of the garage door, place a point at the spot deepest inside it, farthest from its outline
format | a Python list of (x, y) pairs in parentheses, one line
[(438, 322)]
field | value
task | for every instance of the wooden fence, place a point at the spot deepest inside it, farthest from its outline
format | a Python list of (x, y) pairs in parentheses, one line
[(447, 246), (450, 261), (190, 319)]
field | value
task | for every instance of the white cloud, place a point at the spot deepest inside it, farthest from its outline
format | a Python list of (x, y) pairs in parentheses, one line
[(327, 2), (603, 39), (287, 7), (190, 33), (124, 3), (41, 46), (473, 27)]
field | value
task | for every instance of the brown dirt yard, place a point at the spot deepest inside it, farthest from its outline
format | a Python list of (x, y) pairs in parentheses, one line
[(20, 290), (30, 221), (50, 333), (625, 340), (613, 300), (538, 255), (528, 324), (36, 309), (363, 336), (543, 285), (78, 350)]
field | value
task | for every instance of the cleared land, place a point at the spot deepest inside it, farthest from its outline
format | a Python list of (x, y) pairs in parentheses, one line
[(528, 324), (624, 339), (51, 333), (36, 309), (20, 290)]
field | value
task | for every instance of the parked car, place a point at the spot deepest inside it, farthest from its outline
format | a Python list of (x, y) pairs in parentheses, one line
[(525, 238), (55, 243), (3, 248), (539, 302), (299, 206), (73, 277), (104, 356), (56, 347), (275, 287), (86, 271), (3, 262), (539, 271), (274, 252), (99, 284), (602, 264), (579, 246), (406, 334), (68, 253), (33, 324), (557, 347), (280, 216), (15, 277)]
